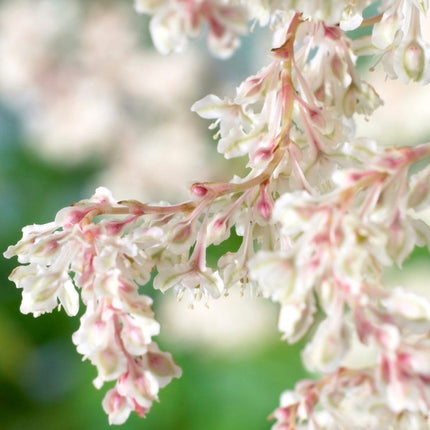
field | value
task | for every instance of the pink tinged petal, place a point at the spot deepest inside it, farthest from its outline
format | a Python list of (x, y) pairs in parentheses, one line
[(102, 196), (138, 387), (218, 230), (265, 204), (70, 216), (110, 364), (388, 337), (401, 239), (234, 17), (45, 250), (140, 410), (137, 305), (136, 334), (162, 366), (181, 233), (31, 235), (181, 236), (143, 386), (251, 87), (94, 334), (116, 407), (223, 45), (402, 391), (133, 340)]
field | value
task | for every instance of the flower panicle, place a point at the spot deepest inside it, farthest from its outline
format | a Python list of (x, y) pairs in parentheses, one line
[(320, 214)]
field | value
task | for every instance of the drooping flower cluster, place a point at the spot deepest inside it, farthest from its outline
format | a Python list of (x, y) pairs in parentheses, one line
[(117, 328), (321, 213)]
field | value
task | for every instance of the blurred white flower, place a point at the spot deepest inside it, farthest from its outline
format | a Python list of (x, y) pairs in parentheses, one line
[(87, 85)]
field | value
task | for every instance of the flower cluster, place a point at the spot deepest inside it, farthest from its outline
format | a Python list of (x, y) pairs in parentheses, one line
[(117, 328), (346, 399), (174, 21), (397, 39), (321, 213)]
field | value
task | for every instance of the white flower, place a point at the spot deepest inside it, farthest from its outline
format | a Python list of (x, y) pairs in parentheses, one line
[(233, 122), (190, 281), (43, 289), (274, 274), (411, 309), (328, 346), (398, 36), (117, 407), (94, 333), (137, 332), (161, 365), (296, 317), (39, 244), (174, 21)]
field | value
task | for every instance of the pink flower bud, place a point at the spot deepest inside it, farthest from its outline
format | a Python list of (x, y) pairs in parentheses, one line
[(199, 190), (333, 33), (263, 154), (265, 204), (116, 406), (182, 233), (265, 209)]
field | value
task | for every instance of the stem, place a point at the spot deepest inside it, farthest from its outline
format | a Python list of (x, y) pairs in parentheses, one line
[(371, 21)]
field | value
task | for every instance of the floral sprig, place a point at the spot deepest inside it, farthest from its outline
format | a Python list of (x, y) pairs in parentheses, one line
[(320, 214), (351, 399)]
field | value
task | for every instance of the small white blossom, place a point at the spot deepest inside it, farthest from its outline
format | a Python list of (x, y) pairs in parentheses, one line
[(174, 21), (188, 281)]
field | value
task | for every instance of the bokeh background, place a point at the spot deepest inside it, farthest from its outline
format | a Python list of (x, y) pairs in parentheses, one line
[(86, 101)]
